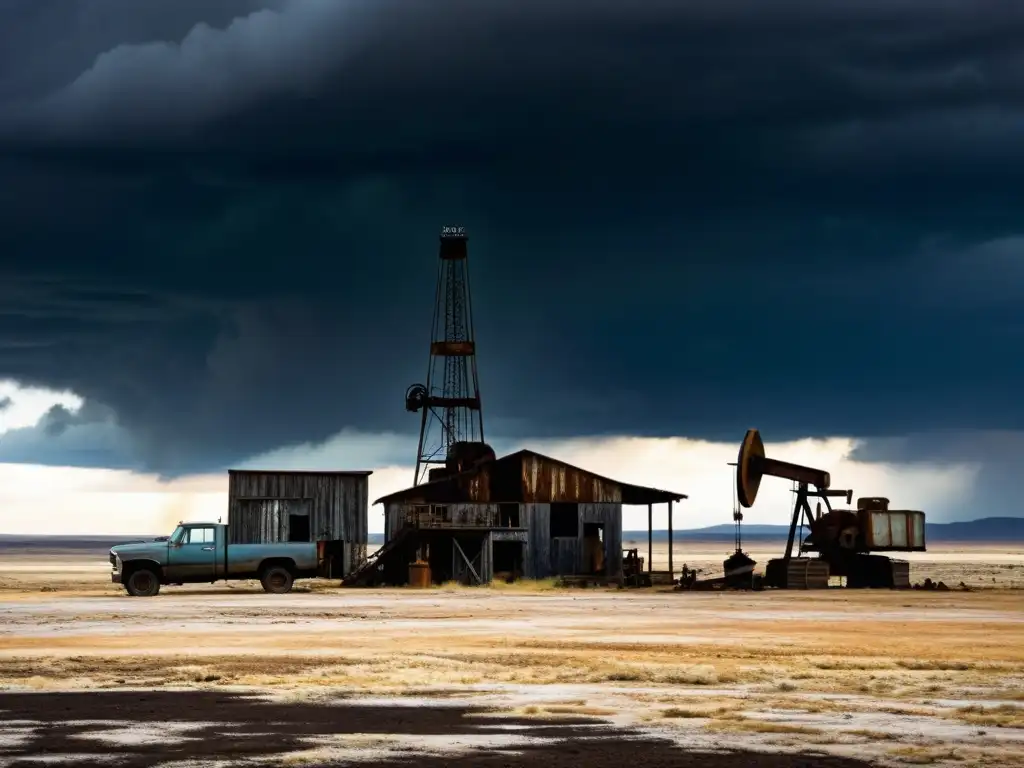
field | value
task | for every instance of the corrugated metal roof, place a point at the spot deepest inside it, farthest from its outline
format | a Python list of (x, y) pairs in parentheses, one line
[(572, 480), (335, 472)]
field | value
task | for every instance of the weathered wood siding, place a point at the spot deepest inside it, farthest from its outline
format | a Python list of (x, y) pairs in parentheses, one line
[(263, 521), (259, 505), (563, 556), (519, 536), (543, 556), (396, 514), (611, 516), (566, 553), (394, 517), (487, 560), (474, 548), (536, 518)]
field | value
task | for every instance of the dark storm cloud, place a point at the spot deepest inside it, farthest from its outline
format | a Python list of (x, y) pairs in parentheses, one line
[(219, 219), (994, 455), (89, 437)]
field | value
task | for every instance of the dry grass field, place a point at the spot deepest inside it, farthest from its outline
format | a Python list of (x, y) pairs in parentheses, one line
[(514, 675)]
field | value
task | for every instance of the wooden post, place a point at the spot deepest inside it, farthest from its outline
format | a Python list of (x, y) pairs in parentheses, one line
[(650, 537), (670, 538)]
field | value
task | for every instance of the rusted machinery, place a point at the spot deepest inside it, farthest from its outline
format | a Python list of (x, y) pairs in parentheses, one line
[(738, 568), (633, 574), (843, 539)]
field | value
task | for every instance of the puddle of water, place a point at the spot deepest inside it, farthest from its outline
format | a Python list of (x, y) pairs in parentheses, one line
[(12, 737)]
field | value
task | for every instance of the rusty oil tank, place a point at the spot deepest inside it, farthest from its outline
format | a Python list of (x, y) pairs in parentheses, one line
[(419, 574)]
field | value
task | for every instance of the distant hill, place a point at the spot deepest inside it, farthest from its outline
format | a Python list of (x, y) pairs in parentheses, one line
[(988, 529)]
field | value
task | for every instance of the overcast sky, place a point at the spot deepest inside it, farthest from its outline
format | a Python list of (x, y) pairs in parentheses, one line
[(219, 218)]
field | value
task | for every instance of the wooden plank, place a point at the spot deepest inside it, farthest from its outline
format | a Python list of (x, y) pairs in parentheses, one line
[(487, 559), (338, 508), (609, 516), (536, 518), (613, 542), (469, 564), (565, 555)]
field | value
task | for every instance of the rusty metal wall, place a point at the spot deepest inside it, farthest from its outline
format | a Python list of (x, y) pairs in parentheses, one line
[(544, 480), (520, 478), (338, 508), (897, 530), (476, 487)]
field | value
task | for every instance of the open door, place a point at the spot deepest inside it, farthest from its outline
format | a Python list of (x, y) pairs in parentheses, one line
[(593, 548), (508, 560)]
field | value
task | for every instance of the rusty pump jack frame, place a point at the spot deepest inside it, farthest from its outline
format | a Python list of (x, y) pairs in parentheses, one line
[(751, 466), (841, 538)]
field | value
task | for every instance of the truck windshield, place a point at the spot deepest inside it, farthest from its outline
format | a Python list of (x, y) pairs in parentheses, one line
[(178, 534)]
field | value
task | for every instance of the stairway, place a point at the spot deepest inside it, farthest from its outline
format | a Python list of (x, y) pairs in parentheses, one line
[(364, 575)]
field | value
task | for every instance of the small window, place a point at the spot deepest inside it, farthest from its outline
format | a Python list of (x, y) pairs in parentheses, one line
[(298, 528), (565, 522), (508, 515), (200, 536)]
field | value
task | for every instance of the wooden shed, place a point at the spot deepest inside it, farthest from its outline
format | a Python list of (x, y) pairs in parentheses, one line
[(522, 515), (269, 506)]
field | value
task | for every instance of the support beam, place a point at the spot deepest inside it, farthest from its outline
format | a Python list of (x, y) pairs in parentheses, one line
[(472, 570), (670, 539), (650, 537)]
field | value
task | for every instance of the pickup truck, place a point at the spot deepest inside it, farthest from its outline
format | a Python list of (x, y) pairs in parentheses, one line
[(199, 553)]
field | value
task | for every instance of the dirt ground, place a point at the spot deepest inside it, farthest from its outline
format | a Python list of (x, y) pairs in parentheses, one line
[(521, 675)]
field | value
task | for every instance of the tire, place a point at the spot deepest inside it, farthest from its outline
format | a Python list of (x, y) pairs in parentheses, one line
[(143, 583), (277, 580)]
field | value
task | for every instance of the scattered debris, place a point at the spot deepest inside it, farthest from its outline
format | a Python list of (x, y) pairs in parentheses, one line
[(938, 586)]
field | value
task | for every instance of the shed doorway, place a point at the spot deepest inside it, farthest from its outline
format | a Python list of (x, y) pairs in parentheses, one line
[(593, 548), (508, 560)]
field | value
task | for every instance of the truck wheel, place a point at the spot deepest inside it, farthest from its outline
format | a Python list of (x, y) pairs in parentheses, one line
[(143, 583), (277, 580)]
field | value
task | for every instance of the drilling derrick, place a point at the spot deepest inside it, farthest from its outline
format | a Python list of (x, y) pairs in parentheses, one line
[(451, 420)]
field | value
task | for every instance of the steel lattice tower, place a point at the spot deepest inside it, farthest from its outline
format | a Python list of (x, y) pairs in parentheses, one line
[(450, 400)]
